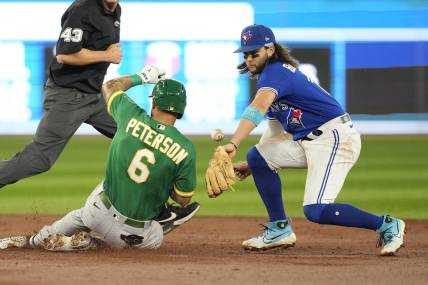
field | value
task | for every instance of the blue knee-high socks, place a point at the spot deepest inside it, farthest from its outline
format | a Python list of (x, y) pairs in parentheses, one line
[(268, 184), (342, 215), (269, 187)]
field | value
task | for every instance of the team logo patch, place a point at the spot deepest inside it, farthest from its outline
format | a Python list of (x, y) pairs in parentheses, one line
[(116, 23), (295, 118), (160, 127), (247, 36)]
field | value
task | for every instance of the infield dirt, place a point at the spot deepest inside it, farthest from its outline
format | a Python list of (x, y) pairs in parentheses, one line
[(208, 251)]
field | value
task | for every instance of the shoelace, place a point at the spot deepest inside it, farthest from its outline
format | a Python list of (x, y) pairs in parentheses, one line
[(265, 229), (382, 239)]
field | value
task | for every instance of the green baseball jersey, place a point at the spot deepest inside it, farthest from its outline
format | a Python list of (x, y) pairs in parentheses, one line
[(147, 160)]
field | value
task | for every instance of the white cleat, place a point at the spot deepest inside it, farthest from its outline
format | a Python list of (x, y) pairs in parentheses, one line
[(276, 234), (391, 235), (77, 242), (16, 241), (259, 243)]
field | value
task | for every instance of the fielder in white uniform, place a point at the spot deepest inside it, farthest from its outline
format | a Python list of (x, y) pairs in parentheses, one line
[(307, 128)]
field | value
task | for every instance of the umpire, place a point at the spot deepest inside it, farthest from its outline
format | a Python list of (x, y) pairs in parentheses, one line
[(88, 43)]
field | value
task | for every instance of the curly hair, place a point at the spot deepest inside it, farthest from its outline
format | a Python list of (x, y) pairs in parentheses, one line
[(282, 53)]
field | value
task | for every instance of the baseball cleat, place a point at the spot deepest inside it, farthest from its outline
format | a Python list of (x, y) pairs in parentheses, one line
[(16, 241), (391, 235), (77, 242), (275, 234), (173, 216)]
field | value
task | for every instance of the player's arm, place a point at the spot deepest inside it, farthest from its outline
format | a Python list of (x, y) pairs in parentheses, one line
[(251, 117), (149, 74), (185, 182), (71, 48), (114, 85), (183, 201), (112, 54)]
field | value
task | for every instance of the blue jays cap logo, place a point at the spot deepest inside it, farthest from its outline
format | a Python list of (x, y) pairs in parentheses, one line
[(254, 37), (247, 36)]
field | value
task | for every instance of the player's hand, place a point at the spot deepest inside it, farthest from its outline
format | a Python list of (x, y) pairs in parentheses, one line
[(151, 74), (114, 53), (241, 169), (230, 149)]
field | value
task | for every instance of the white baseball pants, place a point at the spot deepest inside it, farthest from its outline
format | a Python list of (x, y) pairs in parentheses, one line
[(107, 223), (328, 157)]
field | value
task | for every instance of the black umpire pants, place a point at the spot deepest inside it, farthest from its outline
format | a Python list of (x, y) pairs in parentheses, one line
[(65, 110)]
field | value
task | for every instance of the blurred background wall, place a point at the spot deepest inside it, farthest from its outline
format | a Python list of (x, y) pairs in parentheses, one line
[(372, 56)]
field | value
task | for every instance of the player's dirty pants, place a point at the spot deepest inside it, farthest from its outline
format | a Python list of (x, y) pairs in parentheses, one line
[(107, 224), (65, 110), (328, 157)]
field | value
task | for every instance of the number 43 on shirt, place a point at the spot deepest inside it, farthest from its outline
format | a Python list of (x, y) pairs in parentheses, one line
[(72, 35)]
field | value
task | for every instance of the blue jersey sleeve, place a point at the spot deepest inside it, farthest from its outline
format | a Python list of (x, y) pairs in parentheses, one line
[(276, 78)]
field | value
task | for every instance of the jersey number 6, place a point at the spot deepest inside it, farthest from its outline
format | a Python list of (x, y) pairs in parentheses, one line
[(138, 170)]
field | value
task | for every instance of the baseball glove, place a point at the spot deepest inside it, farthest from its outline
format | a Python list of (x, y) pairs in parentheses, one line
[(220, 175)]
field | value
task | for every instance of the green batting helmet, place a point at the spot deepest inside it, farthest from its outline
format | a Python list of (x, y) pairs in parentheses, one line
[(170, 95)]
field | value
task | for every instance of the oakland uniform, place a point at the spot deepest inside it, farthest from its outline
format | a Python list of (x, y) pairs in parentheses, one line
[(147, 160), (157, 157)]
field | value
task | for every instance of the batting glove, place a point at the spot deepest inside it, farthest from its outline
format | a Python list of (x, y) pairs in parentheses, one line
[(151, 74)]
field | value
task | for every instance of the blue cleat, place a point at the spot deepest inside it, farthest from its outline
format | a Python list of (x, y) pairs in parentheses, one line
[(391, 235), (275, 234)]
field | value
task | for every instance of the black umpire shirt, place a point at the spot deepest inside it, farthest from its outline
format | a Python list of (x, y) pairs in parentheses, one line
[(85, 24)]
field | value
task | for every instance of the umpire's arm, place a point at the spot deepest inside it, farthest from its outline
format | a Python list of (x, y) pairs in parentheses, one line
[(113, 54)]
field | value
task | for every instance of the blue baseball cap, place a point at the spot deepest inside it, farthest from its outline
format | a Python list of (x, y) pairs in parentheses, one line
[(254, 37)]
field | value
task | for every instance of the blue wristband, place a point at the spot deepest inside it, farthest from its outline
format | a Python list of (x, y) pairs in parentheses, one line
[(253, 115)]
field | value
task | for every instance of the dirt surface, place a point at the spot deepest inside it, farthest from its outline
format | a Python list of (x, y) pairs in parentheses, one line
[(208, 251)]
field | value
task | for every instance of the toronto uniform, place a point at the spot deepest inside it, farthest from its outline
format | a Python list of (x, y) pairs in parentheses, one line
[(307, 128)]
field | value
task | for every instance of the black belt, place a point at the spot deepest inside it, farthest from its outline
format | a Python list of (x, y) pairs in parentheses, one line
[(130, 222), (312, 135), (316, 133)]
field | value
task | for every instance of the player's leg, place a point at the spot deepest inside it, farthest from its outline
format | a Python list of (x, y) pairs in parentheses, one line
[(101, 120), (61, 119), (148, 237), (71, 232), (65, 234), (279, 151), (116, 230), (330, 158)]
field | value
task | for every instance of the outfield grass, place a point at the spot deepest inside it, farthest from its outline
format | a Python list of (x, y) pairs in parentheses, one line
[(391, 176)]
